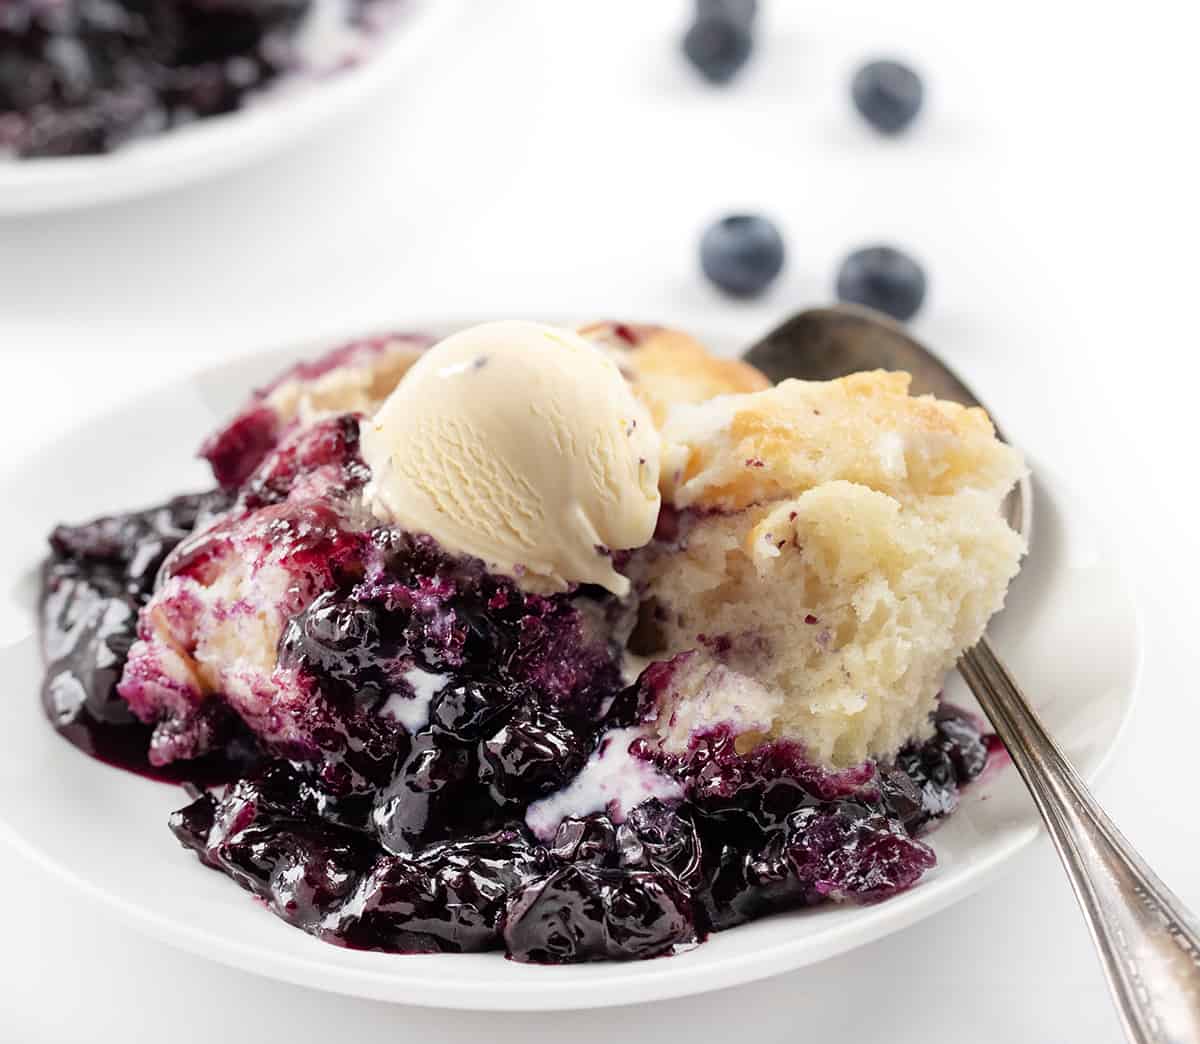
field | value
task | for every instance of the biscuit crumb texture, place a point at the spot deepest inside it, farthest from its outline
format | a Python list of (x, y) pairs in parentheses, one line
[(839, 544)]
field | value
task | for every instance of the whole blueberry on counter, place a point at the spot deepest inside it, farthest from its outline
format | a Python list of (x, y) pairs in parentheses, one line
[(888, 94), (742, 11), (742, 254), (719, 42), (883, 278)]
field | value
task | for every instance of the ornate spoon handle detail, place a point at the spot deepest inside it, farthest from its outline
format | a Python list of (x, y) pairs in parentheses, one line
[(1149, 942)]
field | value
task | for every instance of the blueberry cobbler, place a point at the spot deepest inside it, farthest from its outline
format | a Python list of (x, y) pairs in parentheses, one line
[(87, 76), (572, 644)]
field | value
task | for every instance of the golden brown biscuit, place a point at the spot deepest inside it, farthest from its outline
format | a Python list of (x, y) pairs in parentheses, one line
[(751, 449), (669, 367)]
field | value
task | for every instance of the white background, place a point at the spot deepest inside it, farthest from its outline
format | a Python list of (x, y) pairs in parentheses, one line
[(559, 158)]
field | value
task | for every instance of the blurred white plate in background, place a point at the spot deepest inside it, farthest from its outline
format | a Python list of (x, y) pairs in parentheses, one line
[(293, 108), (1070, 633)]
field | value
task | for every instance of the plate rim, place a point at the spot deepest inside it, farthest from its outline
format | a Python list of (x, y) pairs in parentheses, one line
[(562, 992)]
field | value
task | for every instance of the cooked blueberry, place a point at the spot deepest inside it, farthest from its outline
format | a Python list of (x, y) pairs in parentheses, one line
[(24, 80), (631, 706), (313, 871), (669, 841), (757, 807), (405, 816), (192, 824), (329, 445), (89, 75), (472, 710), (339, 642), (592, 839), (448, 898), (742, 254), (903, 798), (534, 754), (583, 913), (87, 631), (718, 44), (959, 735), (236, 451), (266, 834), (743, 883), (847, 849), (932, 771), (464, 616), (131, 548), (888, 95), (882, 278), (955, 754)]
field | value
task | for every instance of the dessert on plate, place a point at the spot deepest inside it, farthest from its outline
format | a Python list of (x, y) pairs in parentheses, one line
[(575, 644), (89, 76)]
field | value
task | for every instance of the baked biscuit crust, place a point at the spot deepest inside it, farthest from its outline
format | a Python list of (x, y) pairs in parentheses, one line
[(669, 367)]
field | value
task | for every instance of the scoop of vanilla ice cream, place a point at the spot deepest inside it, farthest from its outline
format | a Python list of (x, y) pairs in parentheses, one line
[(520, 444)]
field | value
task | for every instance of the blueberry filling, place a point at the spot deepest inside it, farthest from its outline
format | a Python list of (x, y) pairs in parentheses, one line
[(88, 76), (97, 579), (449, 702)]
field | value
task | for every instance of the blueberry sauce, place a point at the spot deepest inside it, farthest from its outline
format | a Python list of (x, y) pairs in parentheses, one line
[(97, 579), (432, 704)]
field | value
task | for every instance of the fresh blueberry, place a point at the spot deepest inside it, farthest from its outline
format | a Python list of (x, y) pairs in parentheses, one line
[(888, 94), (742, 254), (718, 45), (743, 11), (883, 278)]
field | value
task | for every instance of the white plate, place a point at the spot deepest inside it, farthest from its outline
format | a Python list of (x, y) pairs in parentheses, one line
[(219, 143), (1070, 633)]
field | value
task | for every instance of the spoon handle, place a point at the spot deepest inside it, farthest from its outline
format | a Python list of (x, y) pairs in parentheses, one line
[(1149, 942)]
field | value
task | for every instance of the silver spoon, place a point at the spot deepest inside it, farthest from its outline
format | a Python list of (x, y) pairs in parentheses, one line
[(1149, 942)]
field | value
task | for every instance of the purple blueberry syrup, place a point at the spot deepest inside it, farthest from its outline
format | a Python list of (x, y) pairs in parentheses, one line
[(97, 579), (380, 800)]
